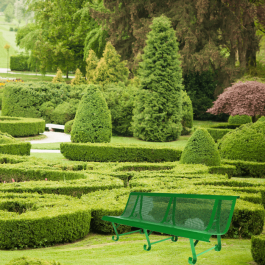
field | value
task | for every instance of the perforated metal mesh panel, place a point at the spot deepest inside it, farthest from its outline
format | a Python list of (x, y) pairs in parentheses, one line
[(198, 214)]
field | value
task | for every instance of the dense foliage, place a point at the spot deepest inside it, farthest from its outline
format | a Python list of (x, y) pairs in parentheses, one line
[(244, 143), (19, 63), (187, 114), (93, 120), (239, 119), (158, 107), (257, 249), (201, 149)]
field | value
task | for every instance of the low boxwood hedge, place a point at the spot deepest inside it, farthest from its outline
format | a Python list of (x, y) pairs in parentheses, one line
[(217, 133), (20, 127), (257, 249), (75, 188), (103, 152), (31, 261), (33, 220), (20, 149), (225, 126), (230, 170)]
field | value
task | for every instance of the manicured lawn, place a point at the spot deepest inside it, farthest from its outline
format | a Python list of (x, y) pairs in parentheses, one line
[(100, 249)]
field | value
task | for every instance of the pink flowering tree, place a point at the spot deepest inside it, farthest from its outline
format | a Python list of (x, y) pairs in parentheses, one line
[(246, 98)]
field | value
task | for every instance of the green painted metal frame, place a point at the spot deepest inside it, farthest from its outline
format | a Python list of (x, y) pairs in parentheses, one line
[(188, 234)]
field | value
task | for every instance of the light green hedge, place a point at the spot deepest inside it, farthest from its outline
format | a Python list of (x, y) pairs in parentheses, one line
[(33, 220), (75, 188), (19, 148), (31, 261), (102, 152), (258, 249), (230, 170), (218, 133), (19, 127)]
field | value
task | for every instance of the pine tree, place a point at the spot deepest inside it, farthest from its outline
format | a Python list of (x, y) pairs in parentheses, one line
[(92, 122), (78, 79), (92, 62), (158, 111), (110, 69), (58, 77)]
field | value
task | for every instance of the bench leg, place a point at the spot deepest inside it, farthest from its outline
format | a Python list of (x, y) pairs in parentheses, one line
[(173, 238), (118, 235), (193, 244)]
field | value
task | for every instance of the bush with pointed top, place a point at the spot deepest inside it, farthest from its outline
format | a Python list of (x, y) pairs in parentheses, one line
[(110, 69), (58, 77), (78, 79), (239, 119), (158, 109), (201, 149), (92, 122), (92, 62)]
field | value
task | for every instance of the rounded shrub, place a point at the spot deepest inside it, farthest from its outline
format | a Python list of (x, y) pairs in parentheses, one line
[(257, 249), (244, 143), (201, 149), (187, 112), (262, 118), (92, 122), (239, 119), (68, 126), (31, 261), (34, 220)]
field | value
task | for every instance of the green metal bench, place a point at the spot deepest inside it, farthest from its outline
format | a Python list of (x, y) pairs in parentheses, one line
[(196, 217)]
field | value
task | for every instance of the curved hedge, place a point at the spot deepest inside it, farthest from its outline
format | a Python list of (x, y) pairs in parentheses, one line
[(31, 261), (33, 220), (257, 249), (104, 152), (201, 149), (244, 143), (19, 127), (239, 119)]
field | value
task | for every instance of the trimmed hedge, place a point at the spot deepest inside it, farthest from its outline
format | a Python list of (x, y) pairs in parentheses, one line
[(33, 220), (31, 261), (225, 126), (200, 149), (230, 170), (20, 149), (239, 119), (19, 63), (75, 188), (20, 127), (217, 133), (103, 152), (257, 249), (247, 168), (68, 126)]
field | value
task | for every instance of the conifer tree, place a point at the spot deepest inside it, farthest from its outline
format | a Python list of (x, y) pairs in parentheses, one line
[(92, 62), (158, 110), (110, 69), (78, 79), (58, 77)]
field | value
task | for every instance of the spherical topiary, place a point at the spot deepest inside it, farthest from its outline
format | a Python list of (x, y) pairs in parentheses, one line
[(239, 119), (31, 261), (187, 112), (244, 143), (92, 122), (201, 149)]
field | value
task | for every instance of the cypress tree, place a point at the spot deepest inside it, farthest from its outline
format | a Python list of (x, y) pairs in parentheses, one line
[(92, 62), (78, 79), (58, 77), (158, 109), (92, 122)]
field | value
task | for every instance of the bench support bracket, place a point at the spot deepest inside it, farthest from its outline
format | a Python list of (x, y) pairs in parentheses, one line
[(193, 244), (118, 235), (147, 234)]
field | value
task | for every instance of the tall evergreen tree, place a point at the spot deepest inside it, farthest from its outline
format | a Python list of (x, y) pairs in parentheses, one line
[(158, 111), (92, 62)]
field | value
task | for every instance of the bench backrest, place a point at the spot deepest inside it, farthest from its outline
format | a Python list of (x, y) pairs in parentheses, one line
[(210, 213)]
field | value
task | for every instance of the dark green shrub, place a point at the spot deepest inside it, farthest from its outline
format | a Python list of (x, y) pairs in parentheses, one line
[(20, 127), (187, 112), (68, 126), (120, 100), (19, 63), (46, 111), (93, 121), (118, 153), (34, 220), (225, 126), (31, 261), (158, 107), (201, 149), (244, 143), (257, 249), (239, 119), (217, 133)]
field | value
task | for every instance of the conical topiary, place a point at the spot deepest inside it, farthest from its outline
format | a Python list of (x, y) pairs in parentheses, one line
[(201, 149), (78, 79), (92, 122), (158, 107), (92, 62), (58, 77)]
